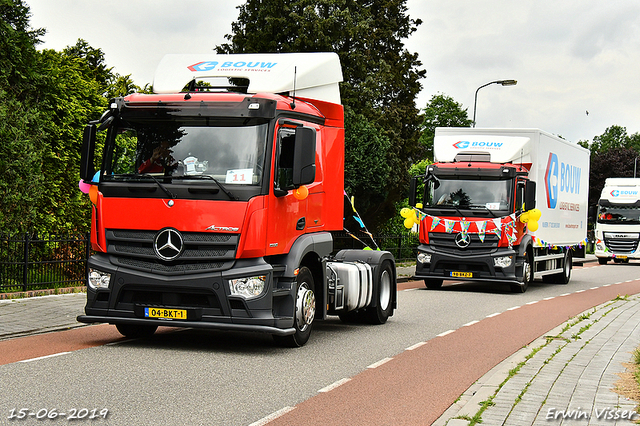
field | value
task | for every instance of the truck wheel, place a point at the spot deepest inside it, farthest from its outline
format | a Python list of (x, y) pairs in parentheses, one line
[(305, 311), (383, 297), (433, 283), (565, 275), (527, 275), (603, 260), (135, 331)]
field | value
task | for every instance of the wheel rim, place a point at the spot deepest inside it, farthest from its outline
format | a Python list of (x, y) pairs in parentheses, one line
[(305, 307), (526, 271), (385, 290)]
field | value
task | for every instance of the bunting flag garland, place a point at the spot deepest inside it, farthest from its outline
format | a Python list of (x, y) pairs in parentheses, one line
[(482, 227), (540, 243), (358, 219), (448, 225), (464, 225), (435, 221)]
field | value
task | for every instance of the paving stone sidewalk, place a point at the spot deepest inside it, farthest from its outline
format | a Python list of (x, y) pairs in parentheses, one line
[(564, 378), (34, 315)]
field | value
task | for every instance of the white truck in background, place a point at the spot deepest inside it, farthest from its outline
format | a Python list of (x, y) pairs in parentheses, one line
[(617, 230)]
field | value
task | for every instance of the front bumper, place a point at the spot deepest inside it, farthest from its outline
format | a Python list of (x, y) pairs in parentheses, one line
[(204, 296), (469, 266)]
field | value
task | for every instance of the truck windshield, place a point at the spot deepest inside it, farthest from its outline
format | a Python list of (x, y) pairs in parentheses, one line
[(229, 154), (619, 214), (474, 194)]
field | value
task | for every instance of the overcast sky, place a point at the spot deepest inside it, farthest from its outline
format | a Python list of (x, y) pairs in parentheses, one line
[(569, 56)]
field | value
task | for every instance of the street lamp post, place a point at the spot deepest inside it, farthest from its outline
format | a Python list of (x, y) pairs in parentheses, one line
[(502, 82)]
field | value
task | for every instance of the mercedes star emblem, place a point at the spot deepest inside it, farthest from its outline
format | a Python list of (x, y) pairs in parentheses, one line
[(168, 244), (463, 240)]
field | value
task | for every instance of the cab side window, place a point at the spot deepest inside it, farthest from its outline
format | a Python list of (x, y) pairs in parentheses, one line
[(284, 165)]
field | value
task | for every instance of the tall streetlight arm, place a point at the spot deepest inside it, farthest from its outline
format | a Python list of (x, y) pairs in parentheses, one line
[(501, 82)]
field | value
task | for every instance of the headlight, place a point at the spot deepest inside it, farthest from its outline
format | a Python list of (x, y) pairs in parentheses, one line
[(98, 279), (248, 287), (424, 258), (600, 246), (502, 262)]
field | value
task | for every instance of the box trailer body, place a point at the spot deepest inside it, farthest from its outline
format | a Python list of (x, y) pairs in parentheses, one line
[(478, 187), (617, 231), (217, 197)]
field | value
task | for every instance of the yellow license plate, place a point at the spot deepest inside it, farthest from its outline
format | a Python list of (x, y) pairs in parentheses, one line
[(456, 274), (622, 257), (165, 313)]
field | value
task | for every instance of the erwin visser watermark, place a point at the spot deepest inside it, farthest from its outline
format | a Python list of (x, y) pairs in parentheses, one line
[(607, 413)]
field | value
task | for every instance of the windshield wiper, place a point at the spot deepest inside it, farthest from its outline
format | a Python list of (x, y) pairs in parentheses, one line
[(201, 177), (479, 206), (164, 188), (145, 175)]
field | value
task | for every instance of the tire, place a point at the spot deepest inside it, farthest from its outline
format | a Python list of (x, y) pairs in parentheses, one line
[(433, 283), (603, 260), (527, 274), (565, 275), (134, 331), (304, 312), (383, 296)]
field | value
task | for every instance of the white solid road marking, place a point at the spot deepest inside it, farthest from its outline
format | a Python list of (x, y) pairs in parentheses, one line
[(471, 323), (44, 357), (533, 303), (494, 315), (514, 308), (445, 333)]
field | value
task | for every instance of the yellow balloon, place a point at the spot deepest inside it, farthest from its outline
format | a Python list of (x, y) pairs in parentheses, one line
[(533, 225), (535, 214), (419, 205), (524, 217), (408, 223), (406, 212)]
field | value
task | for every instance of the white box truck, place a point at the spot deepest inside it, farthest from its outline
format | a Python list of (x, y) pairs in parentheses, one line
[(618, 221), (506, 205)]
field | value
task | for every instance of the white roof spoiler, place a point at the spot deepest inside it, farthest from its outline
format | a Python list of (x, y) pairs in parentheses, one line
[(316, 74)]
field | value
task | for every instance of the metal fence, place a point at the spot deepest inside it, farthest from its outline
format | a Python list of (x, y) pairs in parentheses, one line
[(404, 247), (32, 262)]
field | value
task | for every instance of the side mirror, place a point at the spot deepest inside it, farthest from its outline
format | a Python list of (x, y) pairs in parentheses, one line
[(593, 213), (87, 169), (413, 191), (530, 195), (304, 156)]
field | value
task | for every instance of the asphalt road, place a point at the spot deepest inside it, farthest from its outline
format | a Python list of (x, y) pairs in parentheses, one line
[(196, 377)]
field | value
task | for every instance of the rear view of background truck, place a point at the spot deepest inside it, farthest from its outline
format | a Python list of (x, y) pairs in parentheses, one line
[(617, 230), (501, 205), (216, 199)]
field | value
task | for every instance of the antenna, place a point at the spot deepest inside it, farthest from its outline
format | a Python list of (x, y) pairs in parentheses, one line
[(293, 103)]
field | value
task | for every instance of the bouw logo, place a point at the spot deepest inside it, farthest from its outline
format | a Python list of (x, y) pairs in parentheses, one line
[(551, 181), (477, 144), (615, 193), (210, 65)]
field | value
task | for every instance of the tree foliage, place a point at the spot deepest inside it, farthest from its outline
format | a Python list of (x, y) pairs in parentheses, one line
[(46, 98), (616, 162), (381, 78), (441, 111)]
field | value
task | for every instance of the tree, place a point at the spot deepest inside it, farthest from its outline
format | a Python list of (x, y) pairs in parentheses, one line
[(616, 162), (381, 78), (365, 176), (612, 138), (441, 111)]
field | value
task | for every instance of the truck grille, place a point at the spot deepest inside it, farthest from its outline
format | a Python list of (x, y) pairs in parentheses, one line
[(619, 245), (201, 252), (444, 242)]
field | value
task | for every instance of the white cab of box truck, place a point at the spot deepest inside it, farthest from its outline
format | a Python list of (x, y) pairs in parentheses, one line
[(618, 221), (477, 221)]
